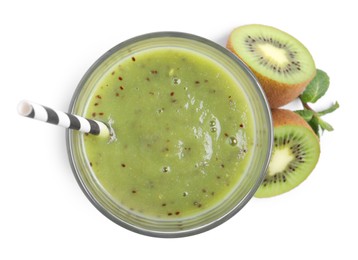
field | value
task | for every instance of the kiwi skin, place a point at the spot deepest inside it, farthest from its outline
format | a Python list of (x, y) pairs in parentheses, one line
[(282, 118), (278, 93)]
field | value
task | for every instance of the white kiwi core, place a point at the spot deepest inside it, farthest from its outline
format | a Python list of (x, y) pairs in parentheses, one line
[(273, 53), (280, 159)]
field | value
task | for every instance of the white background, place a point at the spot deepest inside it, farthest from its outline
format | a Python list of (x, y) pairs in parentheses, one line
[(47, 46)]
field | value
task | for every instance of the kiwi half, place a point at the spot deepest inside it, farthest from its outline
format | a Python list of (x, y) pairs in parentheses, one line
[(281, 63), (295, 154)]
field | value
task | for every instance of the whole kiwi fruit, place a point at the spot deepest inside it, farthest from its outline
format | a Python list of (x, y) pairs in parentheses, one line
[(295, 154), (281, 63)]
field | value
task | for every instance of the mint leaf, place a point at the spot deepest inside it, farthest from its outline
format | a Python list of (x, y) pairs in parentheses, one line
[(305, 114), (329, 110), (314, 123), (314, 91), (324, 125), (316, 88)]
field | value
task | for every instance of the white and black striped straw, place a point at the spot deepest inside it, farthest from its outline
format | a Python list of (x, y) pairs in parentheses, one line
[(49, 115)]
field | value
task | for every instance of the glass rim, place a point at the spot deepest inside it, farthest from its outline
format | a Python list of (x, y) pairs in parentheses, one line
[(263, 101)]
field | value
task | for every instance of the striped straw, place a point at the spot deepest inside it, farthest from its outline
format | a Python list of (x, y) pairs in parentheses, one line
[(46, 114)]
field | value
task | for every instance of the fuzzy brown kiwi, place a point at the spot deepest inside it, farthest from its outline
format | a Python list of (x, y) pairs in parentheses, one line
[(295, 154), (281, 63)]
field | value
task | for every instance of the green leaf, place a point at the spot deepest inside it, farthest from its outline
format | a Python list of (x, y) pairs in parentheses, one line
[(305, 114), (329, 110), (316, 88), (324, 125), (314, 123)]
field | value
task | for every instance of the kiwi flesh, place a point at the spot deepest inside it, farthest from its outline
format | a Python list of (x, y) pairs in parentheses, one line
[(295, 154), (281, 63)]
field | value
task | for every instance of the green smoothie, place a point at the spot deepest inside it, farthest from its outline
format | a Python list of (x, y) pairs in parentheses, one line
[(184, 133)]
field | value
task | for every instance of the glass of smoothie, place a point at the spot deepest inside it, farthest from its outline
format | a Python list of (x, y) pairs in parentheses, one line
[(193, 134)]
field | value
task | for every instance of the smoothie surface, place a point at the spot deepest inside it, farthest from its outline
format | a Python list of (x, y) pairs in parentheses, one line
[(184, 133)]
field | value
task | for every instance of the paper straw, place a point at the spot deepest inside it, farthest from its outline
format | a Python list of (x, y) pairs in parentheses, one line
[(49, 115)]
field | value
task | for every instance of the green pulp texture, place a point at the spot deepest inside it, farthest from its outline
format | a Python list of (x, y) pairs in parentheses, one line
[(184, 129)]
